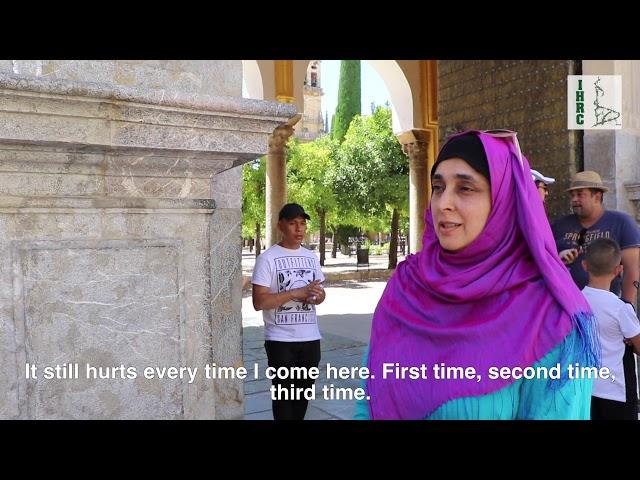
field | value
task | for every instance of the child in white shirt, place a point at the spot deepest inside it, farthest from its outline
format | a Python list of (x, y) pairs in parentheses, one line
[(617, 321)]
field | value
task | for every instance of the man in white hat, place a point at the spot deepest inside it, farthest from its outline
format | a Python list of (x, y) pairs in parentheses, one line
[(542, 183), (573, 233)]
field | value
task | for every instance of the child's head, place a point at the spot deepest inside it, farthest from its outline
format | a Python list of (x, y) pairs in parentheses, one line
[(603, 258)]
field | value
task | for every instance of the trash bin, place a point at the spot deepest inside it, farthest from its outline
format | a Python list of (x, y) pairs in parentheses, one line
[(362, 258)]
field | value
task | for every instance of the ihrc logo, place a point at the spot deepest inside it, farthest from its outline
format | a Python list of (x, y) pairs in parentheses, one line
[(594, 102)]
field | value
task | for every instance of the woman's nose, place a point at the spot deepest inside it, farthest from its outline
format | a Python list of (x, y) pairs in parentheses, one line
[(446, 200)]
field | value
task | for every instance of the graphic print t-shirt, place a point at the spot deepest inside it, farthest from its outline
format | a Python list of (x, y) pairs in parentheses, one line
[(618, 226), (282, 269)]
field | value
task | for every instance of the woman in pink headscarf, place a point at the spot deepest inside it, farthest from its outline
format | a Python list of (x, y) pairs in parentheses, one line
[(487, 291)]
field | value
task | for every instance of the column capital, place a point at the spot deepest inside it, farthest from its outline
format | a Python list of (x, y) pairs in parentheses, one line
[(279, 138), (415, 142), (414, 135)]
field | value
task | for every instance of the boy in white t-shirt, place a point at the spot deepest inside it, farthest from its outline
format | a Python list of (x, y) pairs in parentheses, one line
[(287, 287), (617, 321)]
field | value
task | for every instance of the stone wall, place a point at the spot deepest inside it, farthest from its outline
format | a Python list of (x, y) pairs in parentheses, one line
[(528, 96)]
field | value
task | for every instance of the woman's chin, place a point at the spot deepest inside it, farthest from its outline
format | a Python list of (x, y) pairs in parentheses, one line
[(451, 246)]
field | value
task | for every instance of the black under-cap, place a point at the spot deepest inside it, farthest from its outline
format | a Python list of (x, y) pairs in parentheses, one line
[(469, 148)]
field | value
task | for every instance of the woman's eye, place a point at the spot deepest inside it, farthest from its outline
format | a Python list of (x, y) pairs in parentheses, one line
[(437, 188)]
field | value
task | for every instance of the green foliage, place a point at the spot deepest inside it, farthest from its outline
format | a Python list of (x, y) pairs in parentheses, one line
[(309, 177), (309, 172), (379, 249), (343, 232), (333, 125), (371, 173), (349, 93), (253, 196), (404, 223)]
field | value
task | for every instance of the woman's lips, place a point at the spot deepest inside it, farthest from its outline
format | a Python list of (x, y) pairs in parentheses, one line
[(448, 227)]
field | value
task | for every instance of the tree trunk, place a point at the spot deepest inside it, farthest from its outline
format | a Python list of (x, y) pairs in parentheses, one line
[(323, 232), (334, 248), (393, 245), (257, 239)]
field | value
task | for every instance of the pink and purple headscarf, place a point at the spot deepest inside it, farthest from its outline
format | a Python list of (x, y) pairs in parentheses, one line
[(504, 300)]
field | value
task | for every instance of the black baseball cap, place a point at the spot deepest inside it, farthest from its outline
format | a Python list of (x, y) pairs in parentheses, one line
[(291, 211)]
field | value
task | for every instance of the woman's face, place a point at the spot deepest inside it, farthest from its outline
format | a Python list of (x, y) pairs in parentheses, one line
[(460, 203)]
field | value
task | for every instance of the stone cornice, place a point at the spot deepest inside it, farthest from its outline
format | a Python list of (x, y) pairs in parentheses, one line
[(158, 97), (93, 117)]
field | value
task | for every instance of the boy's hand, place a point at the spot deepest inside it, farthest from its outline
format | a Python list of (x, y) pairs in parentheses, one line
[(303, 293), (315, 295)]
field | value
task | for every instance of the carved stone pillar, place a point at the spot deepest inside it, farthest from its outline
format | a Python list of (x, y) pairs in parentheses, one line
[(415, 144)]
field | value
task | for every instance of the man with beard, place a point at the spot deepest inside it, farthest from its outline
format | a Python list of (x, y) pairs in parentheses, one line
[(589, 221)]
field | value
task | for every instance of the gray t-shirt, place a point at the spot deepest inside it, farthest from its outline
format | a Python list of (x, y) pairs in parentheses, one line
[(618, 226)]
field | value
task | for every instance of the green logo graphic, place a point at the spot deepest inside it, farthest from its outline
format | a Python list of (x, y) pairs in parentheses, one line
[(594, 102), (603, 114)]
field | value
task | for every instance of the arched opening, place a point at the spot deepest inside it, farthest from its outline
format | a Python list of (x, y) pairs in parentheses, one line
[(252, 85), (399, 92)]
